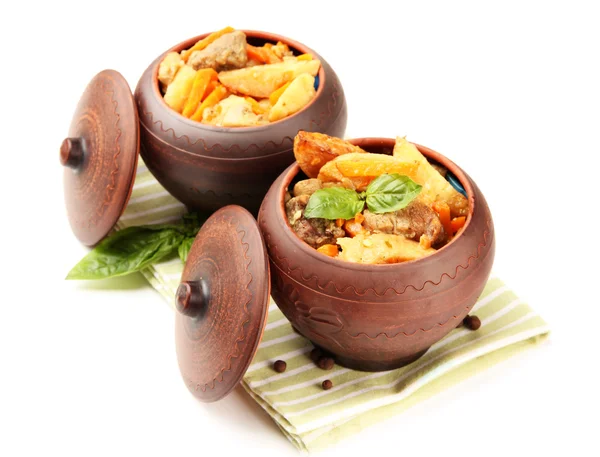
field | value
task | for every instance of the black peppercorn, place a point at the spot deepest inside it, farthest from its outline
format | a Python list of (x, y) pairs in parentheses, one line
[(325, 363), (280, 366), (472, 322)]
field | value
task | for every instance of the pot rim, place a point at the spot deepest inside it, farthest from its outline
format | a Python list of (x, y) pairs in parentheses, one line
[(268, 36), (365, 142)]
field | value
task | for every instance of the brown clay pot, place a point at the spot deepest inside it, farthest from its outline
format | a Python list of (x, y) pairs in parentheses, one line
[(377, 317), (207, 167)]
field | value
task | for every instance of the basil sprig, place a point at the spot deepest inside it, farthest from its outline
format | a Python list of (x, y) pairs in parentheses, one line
[(134, 248), (385, 194), (334, 203)]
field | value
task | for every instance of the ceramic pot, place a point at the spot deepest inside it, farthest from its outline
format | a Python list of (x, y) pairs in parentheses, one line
[(207, 167), (377, 317)]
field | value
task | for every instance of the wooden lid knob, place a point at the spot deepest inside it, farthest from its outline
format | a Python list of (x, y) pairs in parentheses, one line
[(191, 298), (71, 152)]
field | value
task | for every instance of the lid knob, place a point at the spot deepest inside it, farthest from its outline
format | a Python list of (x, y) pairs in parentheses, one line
[(71, 152), (191, 297)]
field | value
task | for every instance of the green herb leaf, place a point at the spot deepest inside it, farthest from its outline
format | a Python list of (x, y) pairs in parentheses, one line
[(388, 193), (334, 203), (184, 248), (129, 250)]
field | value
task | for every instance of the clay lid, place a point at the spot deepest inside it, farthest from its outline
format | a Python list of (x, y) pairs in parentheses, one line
[(222, 303), (100, 156)]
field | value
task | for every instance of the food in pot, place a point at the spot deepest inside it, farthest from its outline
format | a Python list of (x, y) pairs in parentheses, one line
[(223, 80), (372, 208)]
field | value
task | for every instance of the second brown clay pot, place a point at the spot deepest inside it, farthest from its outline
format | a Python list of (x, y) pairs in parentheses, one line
[(377, 317), (207, 167)]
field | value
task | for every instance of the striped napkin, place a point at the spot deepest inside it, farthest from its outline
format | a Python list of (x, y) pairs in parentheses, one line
[(312, 418)]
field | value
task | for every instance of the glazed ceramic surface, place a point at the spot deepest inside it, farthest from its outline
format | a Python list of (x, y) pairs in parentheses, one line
[(207, 167), (377, 317)]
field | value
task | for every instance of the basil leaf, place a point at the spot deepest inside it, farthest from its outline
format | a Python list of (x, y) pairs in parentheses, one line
[(192, 222), (388, 193), (128, 250), (184, 248), (334, 203)]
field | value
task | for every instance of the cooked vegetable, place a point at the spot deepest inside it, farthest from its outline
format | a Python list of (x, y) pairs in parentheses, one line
[(352, 227), (307, 187), (295, 97), (257, 108), (435, 186), (305, 57), (204, 42), (356, 171), (313, 150), (443, 211), (329, 249), (262, 55), (260, 74), (179, 90), (457, 223), (262, 80), (381, 248), (218, 94), (232, 111), (375, 198), (169, 67), (275, 95), (201, 81)]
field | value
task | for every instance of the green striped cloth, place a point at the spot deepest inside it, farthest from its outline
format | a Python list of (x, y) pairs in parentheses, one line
[(312, 418)]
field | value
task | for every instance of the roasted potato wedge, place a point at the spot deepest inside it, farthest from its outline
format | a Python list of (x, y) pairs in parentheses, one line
[(313, 150), (168, 68), (435, 186), (356, 170), (381, 248), (179, 90), (262, 80), (299, 93)]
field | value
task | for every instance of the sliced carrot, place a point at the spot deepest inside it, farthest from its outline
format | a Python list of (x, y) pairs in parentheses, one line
[(443, 211), (359, 218), (262, 55), (353, 228), (305, 57), (211, 86), (201, 82), (204, 42), (339, 222), (255, 53), (213, 98), (256, 108), (457, 223), (276, 94), (329, 249)]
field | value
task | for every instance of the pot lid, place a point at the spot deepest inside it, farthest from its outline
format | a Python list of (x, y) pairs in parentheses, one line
[(100, 156), (222, 303)]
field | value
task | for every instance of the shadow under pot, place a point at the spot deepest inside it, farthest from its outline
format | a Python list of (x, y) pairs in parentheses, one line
[(207, 167), (377, 317)]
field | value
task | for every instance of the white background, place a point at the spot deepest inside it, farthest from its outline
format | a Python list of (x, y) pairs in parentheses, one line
[(510, 91)]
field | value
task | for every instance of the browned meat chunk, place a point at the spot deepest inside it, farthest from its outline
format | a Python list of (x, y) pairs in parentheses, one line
[(314, 232), (225, 53), (307, 187), (414, 221)]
